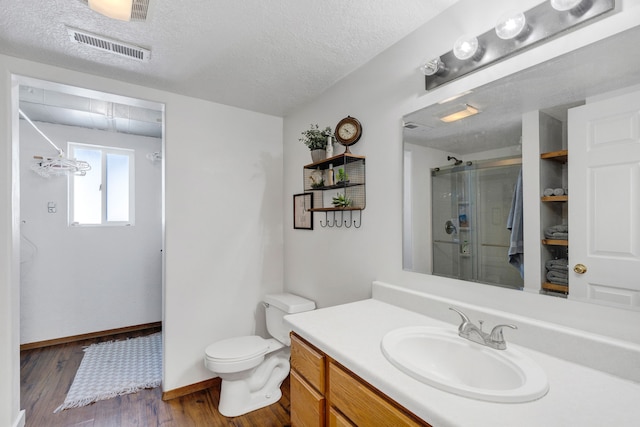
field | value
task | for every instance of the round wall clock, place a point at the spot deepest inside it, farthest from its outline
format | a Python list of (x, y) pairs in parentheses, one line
[(348, 131)]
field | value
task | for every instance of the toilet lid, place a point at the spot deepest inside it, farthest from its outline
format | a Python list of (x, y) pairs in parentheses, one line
[(238, 348)]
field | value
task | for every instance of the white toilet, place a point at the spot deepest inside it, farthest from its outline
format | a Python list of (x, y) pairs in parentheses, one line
[(252, 368)]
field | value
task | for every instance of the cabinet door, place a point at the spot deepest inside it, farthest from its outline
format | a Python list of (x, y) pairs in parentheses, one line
[(604, 214), (307, 405), (362, 405), (308, 362)]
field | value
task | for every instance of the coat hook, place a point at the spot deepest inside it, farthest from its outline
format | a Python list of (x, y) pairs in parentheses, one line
[(360, 217), (350, 220), (326, 222)]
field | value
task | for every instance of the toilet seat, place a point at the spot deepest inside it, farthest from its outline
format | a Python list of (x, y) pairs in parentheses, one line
[(236, 354)]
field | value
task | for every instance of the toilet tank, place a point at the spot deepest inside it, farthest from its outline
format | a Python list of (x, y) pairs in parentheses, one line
[(279, 305)]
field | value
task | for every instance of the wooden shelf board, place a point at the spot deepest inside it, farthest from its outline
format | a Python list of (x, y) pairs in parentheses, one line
[(555, 287), (554, 198), (334, 209), (555, 242), (337, 160), (558, 156)]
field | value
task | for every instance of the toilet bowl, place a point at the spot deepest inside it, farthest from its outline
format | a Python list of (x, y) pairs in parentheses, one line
[(251, 367)]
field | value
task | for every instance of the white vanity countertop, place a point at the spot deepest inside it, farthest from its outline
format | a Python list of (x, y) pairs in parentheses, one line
[(578, 396)]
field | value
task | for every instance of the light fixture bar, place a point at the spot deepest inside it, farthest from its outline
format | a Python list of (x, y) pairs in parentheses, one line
[(546, 23), (467, 111)]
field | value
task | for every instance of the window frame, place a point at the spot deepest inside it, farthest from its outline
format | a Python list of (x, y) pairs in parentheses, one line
[(104, 151)]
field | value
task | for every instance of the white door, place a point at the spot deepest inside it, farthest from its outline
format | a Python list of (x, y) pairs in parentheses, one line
[(604, 214)]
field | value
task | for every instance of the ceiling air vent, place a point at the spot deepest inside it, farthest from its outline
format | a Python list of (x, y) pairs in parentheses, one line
[(139, 9), (109, 45)]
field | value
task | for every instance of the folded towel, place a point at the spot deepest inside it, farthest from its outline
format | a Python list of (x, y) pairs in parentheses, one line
[(562, 263), (558, 278), (547, 192), (558, 192), (558, 232)]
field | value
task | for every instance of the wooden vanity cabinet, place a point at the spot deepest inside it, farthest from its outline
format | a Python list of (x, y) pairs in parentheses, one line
[(308, 403), (323, 392)]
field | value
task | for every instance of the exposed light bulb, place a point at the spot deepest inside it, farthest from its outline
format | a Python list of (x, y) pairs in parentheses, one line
[(432, 67), (465, 47), (510, 25), (563, 5)]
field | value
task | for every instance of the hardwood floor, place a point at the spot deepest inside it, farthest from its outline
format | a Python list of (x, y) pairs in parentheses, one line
[(47, 373)]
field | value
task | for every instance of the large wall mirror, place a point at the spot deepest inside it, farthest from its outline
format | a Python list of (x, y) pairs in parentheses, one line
[(461, 178)]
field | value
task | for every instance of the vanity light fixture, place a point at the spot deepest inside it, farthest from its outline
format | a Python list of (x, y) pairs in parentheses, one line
[(466, 111), (511, 25), (465, 47), (116, 9), (513, 33)]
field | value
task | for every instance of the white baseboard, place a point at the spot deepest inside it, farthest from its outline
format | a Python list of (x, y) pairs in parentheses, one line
[(19, 422)]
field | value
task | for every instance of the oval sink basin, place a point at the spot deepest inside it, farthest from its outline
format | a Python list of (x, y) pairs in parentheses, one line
[(440, 358)]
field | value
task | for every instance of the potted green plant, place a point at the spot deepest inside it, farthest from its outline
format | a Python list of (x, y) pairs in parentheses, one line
[(316, 140), (342, 177), (341, 201)]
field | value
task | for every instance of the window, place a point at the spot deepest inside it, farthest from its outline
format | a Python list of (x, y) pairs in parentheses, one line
[(105, 195)]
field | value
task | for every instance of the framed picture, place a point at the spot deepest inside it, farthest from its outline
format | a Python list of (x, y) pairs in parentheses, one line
[(302, 216)]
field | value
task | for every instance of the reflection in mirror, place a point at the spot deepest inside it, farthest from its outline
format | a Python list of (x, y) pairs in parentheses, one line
[(460, 177), (471, 207)]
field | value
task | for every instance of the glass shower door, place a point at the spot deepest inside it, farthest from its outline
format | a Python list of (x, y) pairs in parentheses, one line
[(470, 207), (452, 224)]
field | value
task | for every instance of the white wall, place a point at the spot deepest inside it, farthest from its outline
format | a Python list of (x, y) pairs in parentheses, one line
[(379, 94), (76, 280), (223, 223)]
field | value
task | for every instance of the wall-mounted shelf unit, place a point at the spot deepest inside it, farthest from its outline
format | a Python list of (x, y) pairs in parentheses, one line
[(317, 181)]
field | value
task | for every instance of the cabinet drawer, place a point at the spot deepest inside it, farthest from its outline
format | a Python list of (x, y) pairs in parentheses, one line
[(307, 405), (364, 405), (336, 419), (308, 362)]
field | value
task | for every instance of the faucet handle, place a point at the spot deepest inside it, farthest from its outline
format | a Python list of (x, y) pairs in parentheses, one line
[(496, 336)]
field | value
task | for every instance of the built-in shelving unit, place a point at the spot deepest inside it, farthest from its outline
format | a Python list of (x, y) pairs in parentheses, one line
[(555, 248)]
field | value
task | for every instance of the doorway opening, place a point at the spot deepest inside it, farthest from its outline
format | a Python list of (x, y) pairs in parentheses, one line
[(83, 279)]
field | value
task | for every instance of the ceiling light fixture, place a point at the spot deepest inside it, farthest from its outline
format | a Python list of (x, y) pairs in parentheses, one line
[(562, 5), (511, 25), (513, 33), (466, 111), (465, 47), (116, 9)]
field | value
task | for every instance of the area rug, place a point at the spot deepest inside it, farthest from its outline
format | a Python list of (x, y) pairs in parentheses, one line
[(115, 368)]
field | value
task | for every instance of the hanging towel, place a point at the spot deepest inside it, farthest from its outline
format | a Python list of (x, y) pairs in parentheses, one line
[(515, 225)]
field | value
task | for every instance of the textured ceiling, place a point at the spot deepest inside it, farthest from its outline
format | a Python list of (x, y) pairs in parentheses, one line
[(265, 56)]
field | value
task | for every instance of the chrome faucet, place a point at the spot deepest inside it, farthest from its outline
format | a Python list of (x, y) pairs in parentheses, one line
[(494, 339)]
